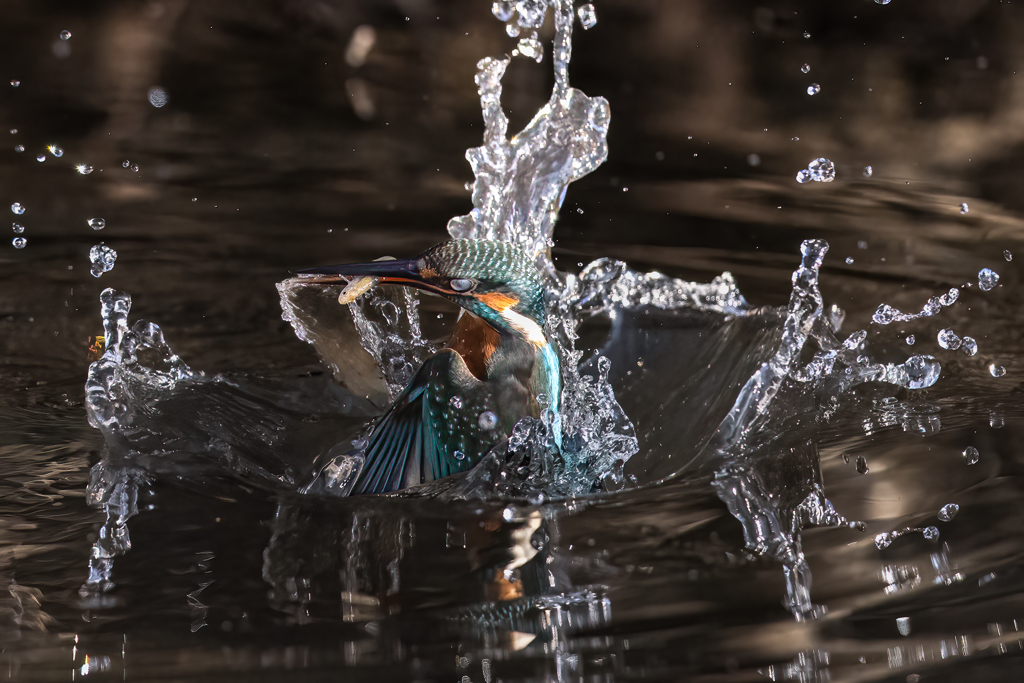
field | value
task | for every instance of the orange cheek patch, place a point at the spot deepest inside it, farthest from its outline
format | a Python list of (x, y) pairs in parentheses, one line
[(497, 300)]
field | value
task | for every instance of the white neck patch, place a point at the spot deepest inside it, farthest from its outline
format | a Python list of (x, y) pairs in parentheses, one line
[(526, 327)]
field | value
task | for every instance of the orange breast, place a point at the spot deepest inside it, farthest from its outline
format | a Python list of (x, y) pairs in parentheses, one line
[(475, 341)]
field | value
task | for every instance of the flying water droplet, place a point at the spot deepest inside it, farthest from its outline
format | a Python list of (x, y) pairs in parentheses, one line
[(969, 346), (805, 68), (15, 83), (813, 89), (157, 96), (885, 314), (126, 163), (884, 540), (587, 15), (868, 171), (66, 35), (987, 279), (40, 157), (102, 258), (950, 297), (84, 169), (487, 420), (455, 401), (807, 34), (930, 533), (996, 370), (922, 371), (902, 623), (17, 228), (822, 170), (911, 340), (55, 150), (971, 455), (19, 148), (948, 512), (803, 176), (503, 9), (948, 339), (862, 465), (1007, 255), (531, 48), (459, 455), (882, 2), (964, 208), (17, 208), (97, 223), (19, 242), (849, 260)]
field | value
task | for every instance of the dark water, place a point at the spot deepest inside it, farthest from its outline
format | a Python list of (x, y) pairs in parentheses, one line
[(275, 152)]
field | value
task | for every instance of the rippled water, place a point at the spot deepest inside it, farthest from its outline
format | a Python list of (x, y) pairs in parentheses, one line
[(825, 526)]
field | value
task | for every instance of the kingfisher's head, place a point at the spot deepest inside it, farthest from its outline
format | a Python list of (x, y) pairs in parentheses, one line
[(494, 280)]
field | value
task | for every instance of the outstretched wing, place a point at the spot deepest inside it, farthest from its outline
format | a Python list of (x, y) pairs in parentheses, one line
[(431, 430)]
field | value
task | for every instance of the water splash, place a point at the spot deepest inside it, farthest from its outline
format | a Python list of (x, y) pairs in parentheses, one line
[(886, 314)]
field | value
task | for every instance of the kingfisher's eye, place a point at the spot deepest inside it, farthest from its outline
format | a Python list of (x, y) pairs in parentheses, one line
[(462, 284)]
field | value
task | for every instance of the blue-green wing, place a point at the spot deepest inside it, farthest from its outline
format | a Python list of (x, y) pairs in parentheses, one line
[(427, 434)]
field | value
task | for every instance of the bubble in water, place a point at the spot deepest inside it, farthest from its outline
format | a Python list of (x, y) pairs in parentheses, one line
[(996, 370), (868, 171), (911, 340), (948, 339), (805, 68), (807, 34), (455, 401), (922, 371), (971, 455), (17, 208), (487, 420), (84, 169), (987, 279), (17, 228), (587, 15), (97, 223), (813, 89), (19, 242), (931, 533), (102, 258), (964, 208), (19, 148), (803, 176), (948, 512), (15, 83), (849, 260), (66, 35), (40, 158), (55, 150), (885, 314), (969, 346), (157, 96), (822, 170), (862, 465)]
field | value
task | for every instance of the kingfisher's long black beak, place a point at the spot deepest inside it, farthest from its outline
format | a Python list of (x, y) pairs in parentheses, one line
[(404, 272)]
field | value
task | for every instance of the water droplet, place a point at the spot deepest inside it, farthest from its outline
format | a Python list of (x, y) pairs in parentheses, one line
[(803, 176), (849, 260), (987, 279), (996, 370), (911, 340), (459, 455), (884, 540), (97, 223), (754, 159), (102, 258), (822, 170), (587, 15), (19, 242), (66, 35), (55, 150), (126, 163), (531, 48), (15, 83), (948, 339), (40, 158), (579, 211), (950, 297), (17, 208), (902, 623), (503, 9), (922, 371), (17, 228), (813, 89), (84, 169), (930, 533), (807, 34), (135, 168), (948, 512), (862, 244), (1007, 255), (885, 314), (512, 29), (157, 96), (969, 346), (882, 2), (964, 208), (806, 68), (455, 401), (971, 455), (868, 171), (862, 465), (19, 148), (487, 420)]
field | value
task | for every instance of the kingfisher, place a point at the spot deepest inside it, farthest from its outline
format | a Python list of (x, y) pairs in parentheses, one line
[(498, 367)]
